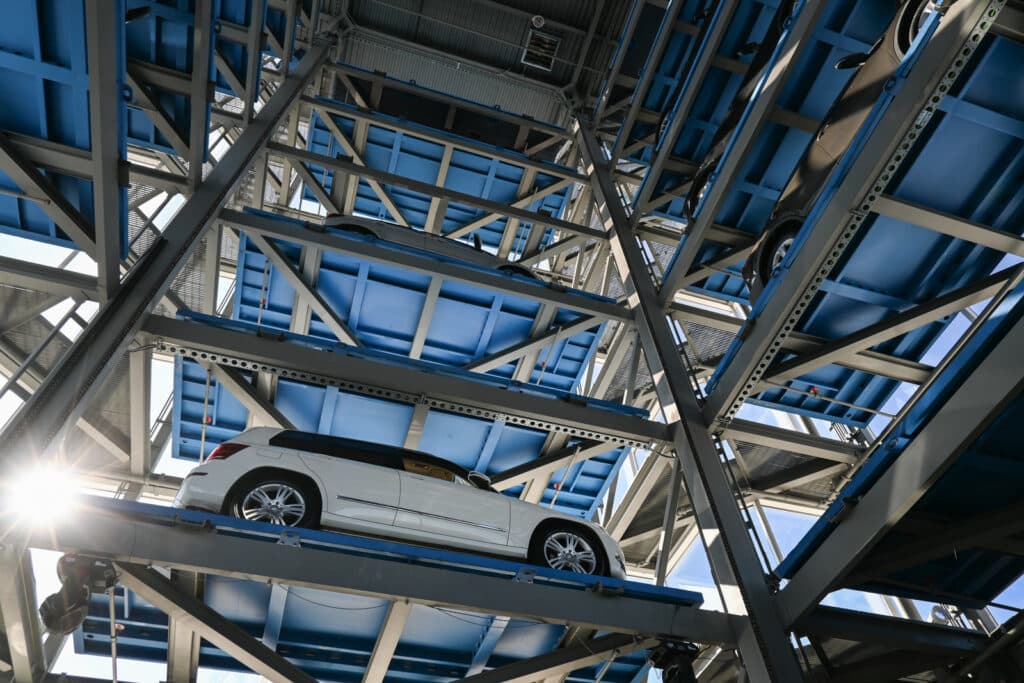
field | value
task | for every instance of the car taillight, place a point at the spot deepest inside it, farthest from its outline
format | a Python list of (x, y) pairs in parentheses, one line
[(226, 450)]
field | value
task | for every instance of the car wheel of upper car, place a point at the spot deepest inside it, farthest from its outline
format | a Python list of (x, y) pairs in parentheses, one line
[(700, 186), (569, 549), (912, 18), (276, 499), (775, 253)]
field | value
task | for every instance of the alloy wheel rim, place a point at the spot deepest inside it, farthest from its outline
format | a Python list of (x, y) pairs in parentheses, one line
[(275, 503), (570, 552), (780, 252)]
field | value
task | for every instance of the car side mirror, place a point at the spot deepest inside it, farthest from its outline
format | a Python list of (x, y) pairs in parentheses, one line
[(480, 479), (854, 61)]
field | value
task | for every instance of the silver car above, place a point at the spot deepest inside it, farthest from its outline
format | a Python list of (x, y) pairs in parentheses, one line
[(294, 478)]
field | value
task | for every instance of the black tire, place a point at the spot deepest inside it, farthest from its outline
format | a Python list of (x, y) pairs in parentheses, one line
[(769, 255), (541, 550), (698, 188), (284, 490), (909, 23)]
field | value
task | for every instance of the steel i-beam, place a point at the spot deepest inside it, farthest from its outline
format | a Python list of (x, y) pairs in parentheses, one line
[(764, 646)]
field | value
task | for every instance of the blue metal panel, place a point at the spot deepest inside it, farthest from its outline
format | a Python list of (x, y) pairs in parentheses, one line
[(205, 414), (381, 305), (44, 77), (420, 159), (666, 74), (236, 55), (164, 38), (331, 635), (812, 86), (894, 265), (969, 488)]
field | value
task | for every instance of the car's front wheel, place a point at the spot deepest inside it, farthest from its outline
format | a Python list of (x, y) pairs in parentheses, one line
[(569, 549), (276, 499)]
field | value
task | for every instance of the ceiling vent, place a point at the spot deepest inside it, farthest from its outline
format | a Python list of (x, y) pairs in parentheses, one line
[(540, 50)]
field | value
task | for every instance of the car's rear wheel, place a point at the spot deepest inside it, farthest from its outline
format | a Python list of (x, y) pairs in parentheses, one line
[(775, 252), (913, 16), (569, 549), (276, 499)]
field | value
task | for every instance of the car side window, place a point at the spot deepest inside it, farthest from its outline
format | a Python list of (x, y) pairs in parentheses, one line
[(426, 469), (335, 447)]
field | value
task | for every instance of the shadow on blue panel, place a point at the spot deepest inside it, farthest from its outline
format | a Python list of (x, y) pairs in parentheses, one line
[(332, 635)]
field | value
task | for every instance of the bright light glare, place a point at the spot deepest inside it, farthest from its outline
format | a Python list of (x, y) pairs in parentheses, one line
[(41, 495)]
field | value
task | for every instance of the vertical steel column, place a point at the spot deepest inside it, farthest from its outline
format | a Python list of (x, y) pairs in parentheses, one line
[(19, 616), (105, 123), (763, 644), (63, 395)]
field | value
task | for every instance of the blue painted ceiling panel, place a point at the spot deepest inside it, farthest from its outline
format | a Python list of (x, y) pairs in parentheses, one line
[(164, 38), (381, 304), (420, 159), (812, 86), (43, 71), (236, 55), (331, 635), (869, 285)]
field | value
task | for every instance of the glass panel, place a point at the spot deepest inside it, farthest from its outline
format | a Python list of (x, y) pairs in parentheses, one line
[(428, 470)]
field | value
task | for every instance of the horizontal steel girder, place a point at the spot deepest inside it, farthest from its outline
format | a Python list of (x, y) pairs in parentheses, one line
[(291, 232), (388, 380), (124, 538)]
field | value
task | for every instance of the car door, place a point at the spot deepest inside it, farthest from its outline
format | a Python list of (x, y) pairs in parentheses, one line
[(361, 485), (443, 507)]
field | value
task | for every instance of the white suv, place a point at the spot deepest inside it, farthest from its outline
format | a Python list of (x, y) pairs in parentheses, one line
[(297, 478)]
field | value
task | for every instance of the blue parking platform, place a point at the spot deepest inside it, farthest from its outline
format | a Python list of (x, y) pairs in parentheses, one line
[(420, 159), (867, 286), (983, 480), (331, 635)]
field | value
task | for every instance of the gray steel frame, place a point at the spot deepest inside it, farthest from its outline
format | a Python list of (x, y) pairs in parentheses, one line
[(764, 647), (131, 541), (400, 383), (996, 381), (758, 620)]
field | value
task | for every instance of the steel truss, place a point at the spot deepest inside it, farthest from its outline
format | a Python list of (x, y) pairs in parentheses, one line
[(597, 243)]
